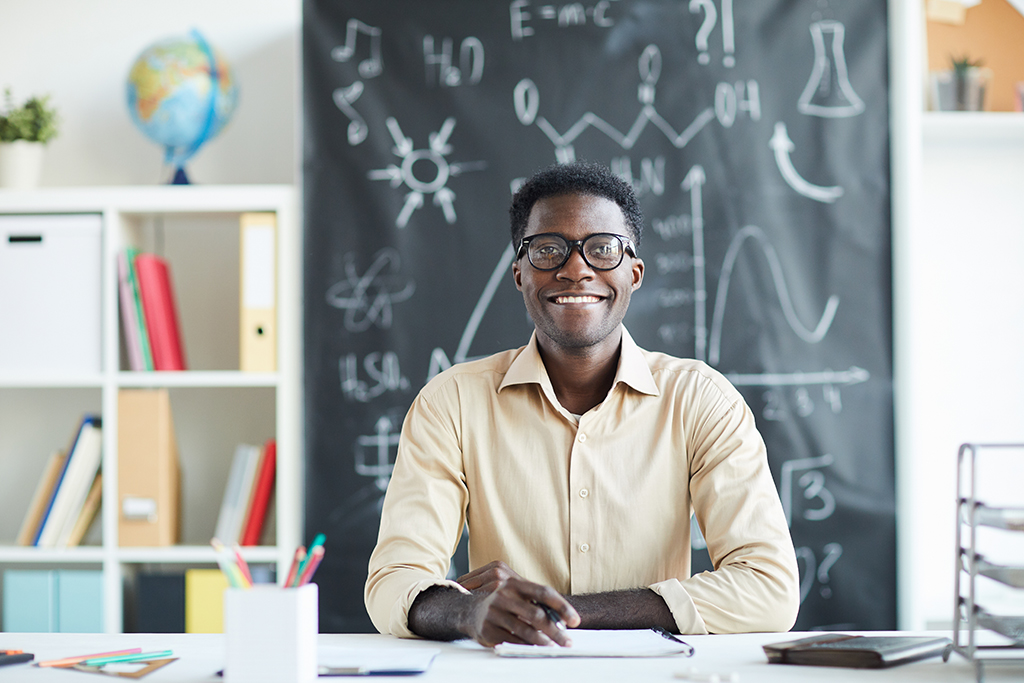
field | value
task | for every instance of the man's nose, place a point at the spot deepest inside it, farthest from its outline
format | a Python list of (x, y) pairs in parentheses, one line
[(575, 266)]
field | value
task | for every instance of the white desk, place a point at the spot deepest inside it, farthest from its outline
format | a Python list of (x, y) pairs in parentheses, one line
[(202, 655)]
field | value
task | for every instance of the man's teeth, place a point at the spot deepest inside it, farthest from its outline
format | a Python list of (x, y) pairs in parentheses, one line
[(576, 300)]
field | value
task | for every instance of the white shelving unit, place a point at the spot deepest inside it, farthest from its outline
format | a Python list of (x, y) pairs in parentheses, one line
[(214, 405), (987, 528)]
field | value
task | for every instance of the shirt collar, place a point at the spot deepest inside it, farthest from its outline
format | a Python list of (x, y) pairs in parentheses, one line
[(528, 368)]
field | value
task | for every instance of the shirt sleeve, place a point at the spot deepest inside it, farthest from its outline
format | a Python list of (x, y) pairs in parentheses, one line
[(755, 583), (422, 519)]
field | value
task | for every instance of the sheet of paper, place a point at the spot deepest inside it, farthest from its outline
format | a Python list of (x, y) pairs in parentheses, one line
[(351, 661), (613, 643)]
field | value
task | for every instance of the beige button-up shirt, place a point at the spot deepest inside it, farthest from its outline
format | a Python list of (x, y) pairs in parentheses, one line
[(595, 505)]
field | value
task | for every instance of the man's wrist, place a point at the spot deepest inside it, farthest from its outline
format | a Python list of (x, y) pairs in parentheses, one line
[(634, 608), (440, 613)]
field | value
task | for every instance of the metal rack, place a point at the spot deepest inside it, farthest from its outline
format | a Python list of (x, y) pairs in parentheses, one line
[(972, 619)]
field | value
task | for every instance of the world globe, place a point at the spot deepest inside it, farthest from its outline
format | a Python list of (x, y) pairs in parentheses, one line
[(181, 93)]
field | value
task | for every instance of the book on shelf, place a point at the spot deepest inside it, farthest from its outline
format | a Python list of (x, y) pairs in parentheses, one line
[(160, 312), (140, 357), (204, 600), (89, 514), (255, 517), (148, 474), (74, 482), (242, 475), (258, 285), (41, 498)]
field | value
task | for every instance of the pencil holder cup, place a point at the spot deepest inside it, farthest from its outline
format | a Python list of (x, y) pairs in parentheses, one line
[(271, 634)]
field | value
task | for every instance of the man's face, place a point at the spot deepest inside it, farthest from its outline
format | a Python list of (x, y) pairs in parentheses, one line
[(577, 306)]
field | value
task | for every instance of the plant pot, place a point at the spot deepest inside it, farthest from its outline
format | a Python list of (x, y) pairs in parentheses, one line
[(21, 164), (960, 90)]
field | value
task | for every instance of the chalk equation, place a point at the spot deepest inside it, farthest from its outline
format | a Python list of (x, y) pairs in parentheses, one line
[(522, 14), (811, 483), (380, 367), (441, 69)]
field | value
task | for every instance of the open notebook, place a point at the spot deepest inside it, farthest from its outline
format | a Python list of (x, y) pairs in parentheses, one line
[(613, 643)]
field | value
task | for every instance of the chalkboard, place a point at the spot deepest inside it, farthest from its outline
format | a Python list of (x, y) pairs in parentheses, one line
[(756, 135)]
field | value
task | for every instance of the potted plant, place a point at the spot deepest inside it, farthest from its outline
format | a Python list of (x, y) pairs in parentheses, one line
[(24, 132), (969, 80)]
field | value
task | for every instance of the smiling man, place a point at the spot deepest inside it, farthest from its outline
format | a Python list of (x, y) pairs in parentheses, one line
[(577, 460)]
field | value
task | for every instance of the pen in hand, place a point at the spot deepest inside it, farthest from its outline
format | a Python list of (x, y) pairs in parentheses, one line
[(553, 616)]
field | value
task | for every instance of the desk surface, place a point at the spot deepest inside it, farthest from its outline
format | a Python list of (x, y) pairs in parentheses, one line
[(202, 655)]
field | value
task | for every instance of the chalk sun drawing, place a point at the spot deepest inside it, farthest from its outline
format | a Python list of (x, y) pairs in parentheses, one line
[(433, 155)]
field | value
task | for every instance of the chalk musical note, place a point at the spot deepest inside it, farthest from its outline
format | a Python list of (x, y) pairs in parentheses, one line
[(372, 66)]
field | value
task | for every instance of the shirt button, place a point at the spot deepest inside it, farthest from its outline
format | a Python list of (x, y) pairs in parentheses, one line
[(584, 547), (581, 437), (584, 493)]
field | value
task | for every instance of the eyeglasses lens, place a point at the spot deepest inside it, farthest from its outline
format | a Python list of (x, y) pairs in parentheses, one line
[(548, 252)]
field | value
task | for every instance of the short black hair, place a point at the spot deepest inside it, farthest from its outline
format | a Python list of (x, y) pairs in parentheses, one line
[(577, 177)]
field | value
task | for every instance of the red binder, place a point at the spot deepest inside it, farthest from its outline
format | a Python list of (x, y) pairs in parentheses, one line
[(160, 312), (261, 495)]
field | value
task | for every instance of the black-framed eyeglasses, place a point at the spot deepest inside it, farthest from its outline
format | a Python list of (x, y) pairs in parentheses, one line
[(550, 251)]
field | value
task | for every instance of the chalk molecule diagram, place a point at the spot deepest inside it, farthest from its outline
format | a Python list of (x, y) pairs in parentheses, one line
[(366, 299), (729, 102)]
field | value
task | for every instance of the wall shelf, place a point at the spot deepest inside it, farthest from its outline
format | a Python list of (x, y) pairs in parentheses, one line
[(972, 127)]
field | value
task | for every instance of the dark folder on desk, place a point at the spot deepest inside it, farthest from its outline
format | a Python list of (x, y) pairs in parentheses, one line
[(859, 652)]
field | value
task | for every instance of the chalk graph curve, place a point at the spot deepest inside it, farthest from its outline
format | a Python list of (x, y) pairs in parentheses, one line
[(778, 277)]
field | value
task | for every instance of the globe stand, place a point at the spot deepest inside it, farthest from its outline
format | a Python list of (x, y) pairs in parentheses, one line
[(179, 177)]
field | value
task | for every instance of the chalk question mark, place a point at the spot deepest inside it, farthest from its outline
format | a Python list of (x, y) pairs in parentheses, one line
[(710, 17), (834, 550)]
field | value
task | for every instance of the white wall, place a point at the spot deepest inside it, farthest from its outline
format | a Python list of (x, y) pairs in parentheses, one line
[(958, 221), (964, 358), (958, 252), (80, 51)]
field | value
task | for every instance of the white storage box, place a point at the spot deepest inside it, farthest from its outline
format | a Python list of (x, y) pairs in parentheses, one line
[(50, 285)]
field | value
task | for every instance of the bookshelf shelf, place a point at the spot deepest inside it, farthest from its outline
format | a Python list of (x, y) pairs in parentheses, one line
[(198, 379), (215, 406), (188, 554), (22, 555), (54, 382)]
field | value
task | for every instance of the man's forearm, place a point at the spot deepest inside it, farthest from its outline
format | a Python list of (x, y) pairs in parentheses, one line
[(440, 612), (437, 613), (636, 608)]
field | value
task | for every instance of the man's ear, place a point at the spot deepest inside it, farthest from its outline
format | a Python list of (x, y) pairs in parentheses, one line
[(638, 273), (517, 275)]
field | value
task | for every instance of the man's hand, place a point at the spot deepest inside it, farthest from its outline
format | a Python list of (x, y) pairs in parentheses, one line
[(509, 609), (502, 607), (487, 577)]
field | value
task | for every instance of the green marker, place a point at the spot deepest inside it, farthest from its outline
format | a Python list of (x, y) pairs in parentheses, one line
[(318, 541), (134, 657)]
